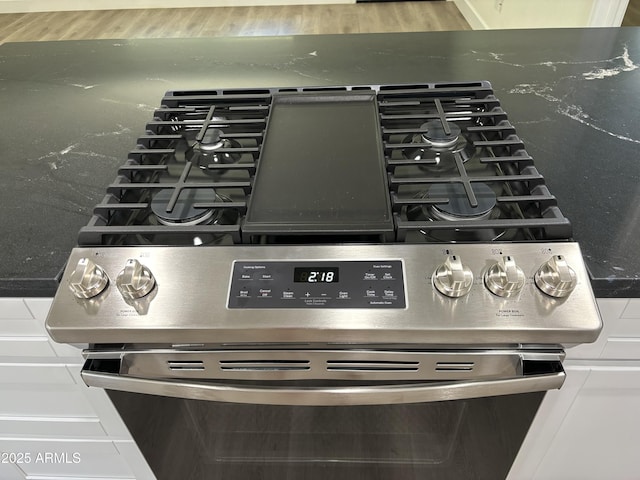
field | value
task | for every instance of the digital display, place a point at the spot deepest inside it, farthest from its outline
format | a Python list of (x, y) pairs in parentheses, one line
[(315, 274), (317, 284)]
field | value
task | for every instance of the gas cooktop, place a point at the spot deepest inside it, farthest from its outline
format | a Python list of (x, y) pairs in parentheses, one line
[(409, 214), (371, 164)]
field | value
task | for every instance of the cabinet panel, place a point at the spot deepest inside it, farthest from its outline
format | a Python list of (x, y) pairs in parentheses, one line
[(39, 307), (626, 327), (23, 333), (12, 375), (633, 309), (624, 377), (588, 431), (89, 459), (614, 326), (600, 435), (20, 347), (47, 400), (621, 348), (13, 309), (549, 417), (47, 411), (24, 327), (65, 351), (50, 428), (10, 472), (23, 317)]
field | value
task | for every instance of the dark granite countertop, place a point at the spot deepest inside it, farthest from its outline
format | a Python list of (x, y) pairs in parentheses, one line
[(71, 111)]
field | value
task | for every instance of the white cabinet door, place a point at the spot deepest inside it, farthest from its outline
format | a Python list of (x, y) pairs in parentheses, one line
[(67, 429), (588, 430), (23, 336), (9, 471), (69, 459)]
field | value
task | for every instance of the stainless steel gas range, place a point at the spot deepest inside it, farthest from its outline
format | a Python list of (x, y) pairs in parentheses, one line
[(353, 246)]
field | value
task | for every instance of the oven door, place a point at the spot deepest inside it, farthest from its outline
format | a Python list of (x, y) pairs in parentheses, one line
[(243, 429)]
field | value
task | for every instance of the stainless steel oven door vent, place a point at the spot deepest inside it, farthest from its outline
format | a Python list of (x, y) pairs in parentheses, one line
[(454, 366), (326, 377), (358, 365), (264, 365), (190, 365), (369, 366)]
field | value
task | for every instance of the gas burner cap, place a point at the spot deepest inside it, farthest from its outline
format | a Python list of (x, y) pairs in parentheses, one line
[(184, 213), (459, 207), (211, 141), (209, 148), (434, 133), (442, 156)]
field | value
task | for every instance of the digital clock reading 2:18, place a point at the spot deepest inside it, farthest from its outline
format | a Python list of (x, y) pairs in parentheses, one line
[(315, 274)]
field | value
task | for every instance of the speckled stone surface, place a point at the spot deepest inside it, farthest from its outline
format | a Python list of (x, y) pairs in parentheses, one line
[(71, 111)]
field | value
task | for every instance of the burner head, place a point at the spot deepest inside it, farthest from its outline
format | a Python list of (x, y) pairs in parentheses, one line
[(211, 141), (459, 207), (436, 145), (184, 213), (209, 149), (435, 134)]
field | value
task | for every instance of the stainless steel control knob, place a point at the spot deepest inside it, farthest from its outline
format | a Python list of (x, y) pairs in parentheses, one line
[(504, 278), (135, 281), (88, 279), (452, 278), (556, 278)]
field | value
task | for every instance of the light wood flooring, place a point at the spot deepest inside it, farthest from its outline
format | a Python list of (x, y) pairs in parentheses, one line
[(632, 15), (232, 21)]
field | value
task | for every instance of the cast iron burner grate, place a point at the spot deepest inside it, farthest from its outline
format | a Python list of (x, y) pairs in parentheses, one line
[(188, 180), (472, 180), (454, 168)]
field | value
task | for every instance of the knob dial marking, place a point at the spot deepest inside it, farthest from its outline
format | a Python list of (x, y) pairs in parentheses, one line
[(505, 278), (135, 281), (453, 278), (556, 278), (88, 279)]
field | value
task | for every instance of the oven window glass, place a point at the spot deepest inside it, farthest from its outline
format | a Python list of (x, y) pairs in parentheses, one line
[(197, 440), (375, 435)]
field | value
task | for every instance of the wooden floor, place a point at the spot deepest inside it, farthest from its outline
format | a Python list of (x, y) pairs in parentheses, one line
[(632, 15), (232, 21)]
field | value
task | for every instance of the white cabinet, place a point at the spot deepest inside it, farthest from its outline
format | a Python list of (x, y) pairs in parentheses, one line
[(600, 434), (73, 459), (51, 424), (590, 428), (9, 471)]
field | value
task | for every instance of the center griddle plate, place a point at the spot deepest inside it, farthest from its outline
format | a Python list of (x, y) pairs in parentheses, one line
[(322, 168)]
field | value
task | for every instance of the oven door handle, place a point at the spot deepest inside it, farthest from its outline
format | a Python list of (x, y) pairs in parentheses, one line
[(326, 396)]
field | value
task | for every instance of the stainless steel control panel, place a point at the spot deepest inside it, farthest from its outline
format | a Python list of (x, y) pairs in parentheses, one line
[(497, 293), (317, 284)]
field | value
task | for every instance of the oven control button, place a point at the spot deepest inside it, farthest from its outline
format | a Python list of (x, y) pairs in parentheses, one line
[(135, 281), (556, 278), (452, 278), (504, 278), (88, 279)]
